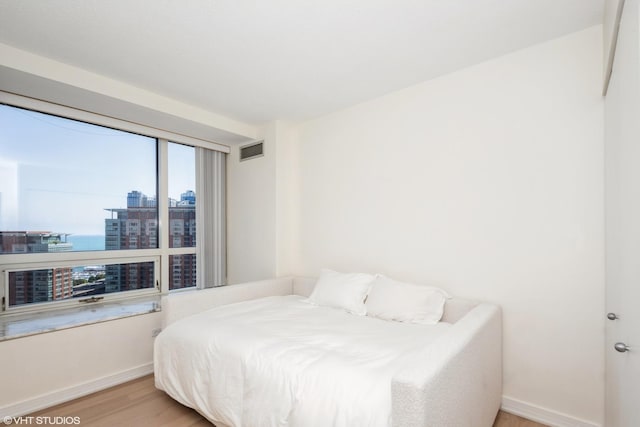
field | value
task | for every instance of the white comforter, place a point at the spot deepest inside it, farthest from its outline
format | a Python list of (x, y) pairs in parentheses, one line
[(280, 361)]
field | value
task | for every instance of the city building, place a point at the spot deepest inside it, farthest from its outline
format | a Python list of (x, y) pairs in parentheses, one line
[(136, 199), (188, 198), (136, 227), (30, 286)]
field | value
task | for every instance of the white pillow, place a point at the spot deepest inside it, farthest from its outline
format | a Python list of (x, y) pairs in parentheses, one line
[(405, 302), (342, 290)]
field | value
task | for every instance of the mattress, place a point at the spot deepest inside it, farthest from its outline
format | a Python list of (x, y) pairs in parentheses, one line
[(281, 361)]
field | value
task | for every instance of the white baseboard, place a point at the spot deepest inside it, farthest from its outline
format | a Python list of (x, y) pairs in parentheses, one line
[(542, 415), (66, 394)]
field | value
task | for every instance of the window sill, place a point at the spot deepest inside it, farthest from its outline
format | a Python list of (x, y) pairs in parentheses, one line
[(21, 325)]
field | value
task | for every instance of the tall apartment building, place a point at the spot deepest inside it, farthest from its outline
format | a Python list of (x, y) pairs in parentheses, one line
[(188, 198), (44, 285), (136, 199), (182, 234), (136, 227)]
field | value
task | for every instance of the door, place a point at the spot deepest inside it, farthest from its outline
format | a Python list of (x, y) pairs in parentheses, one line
[(622, 203)]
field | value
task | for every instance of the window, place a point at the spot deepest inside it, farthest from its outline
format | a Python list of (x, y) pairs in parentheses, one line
[(88, 210), (182, 215), (67, 185), (39, 285)]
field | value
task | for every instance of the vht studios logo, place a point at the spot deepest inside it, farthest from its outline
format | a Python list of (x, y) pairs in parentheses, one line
[(41, 420)]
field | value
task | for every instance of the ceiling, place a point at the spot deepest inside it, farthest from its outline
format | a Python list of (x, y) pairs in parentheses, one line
[(257, 61)]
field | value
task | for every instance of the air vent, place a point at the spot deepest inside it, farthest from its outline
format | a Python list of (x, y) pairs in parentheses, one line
[(251, 151)]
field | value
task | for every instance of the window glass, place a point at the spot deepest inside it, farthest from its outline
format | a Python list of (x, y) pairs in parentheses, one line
[(182, 271), (62, 283), (182, 197), (182, 214), (67, 186)]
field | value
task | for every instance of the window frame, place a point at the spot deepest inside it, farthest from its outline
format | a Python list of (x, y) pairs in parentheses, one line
[(160, 256), (107, 297)]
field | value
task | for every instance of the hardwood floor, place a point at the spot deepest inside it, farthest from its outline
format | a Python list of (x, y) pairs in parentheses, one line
[(505, 419), (135, 403), (139, 403)]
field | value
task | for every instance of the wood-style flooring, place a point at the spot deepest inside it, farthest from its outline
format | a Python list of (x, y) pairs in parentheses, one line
[(139, 404)]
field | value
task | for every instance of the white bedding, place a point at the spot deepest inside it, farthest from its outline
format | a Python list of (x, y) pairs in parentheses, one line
[(280, 361)]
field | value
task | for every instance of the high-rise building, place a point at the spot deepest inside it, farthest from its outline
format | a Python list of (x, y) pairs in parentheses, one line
[(29, 286), (136, 199), (182, 234), (136, 227), (188, 198), (132, 228)]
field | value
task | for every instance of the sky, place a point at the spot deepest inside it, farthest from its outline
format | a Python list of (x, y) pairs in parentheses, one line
[(59, 175)]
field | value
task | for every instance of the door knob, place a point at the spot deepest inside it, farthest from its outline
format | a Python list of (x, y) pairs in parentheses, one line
[(621, 347), (612, 316)]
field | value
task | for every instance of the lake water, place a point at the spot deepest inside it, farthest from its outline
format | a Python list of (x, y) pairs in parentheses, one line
[(86, 242)]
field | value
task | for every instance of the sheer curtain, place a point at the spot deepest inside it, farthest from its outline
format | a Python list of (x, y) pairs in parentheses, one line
[(211, 217)]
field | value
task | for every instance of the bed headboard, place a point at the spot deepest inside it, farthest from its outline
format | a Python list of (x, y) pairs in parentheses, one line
[(454, 308)]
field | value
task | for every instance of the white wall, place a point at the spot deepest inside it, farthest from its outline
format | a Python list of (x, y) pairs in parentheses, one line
[(262, 208), (251, 213), (622, 183), (46, 369), (488, 182), (287, 208)]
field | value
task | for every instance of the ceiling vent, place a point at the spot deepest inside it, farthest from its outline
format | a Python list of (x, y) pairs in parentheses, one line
[(251, 151)]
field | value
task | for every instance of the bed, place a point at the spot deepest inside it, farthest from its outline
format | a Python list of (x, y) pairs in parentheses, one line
[(259, 354)]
